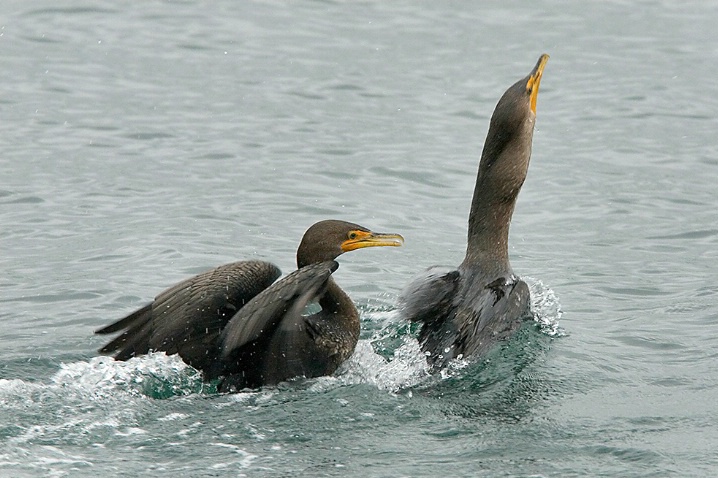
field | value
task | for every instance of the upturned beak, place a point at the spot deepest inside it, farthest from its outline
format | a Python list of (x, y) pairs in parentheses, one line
[(532, 85)]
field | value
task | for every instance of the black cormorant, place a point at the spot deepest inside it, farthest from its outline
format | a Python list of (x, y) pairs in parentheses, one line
[(237, 323), (467, 310)]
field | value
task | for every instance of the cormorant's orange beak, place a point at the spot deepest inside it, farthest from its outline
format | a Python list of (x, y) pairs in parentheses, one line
[(359, 239), (532, 85)]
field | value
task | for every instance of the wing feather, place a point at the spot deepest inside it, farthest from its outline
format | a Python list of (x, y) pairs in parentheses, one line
[(188, 317), (429, 297), (286, 299)]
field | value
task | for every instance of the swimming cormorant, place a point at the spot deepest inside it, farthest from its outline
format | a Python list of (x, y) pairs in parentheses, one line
[(237, 323), (467, 310)]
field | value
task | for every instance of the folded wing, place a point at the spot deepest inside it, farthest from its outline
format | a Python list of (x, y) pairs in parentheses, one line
[(270, 339)]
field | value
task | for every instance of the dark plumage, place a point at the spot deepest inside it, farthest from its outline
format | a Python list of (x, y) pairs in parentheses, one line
[(235, 322), (465, 311)]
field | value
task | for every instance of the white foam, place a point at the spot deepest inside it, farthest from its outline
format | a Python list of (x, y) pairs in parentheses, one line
[(173, 416), (102, 376), (545, 307), (406, 368)]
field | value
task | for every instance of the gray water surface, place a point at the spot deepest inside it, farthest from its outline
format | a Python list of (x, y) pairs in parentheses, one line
[(143, 142)]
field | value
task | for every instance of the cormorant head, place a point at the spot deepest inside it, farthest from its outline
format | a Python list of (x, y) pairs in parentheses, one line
[(326, 240), (507, 150)]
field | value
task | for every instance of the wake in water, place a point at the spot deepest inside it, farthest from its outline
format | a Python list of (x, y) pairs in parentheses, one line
[(102, 378), (88, 405), (391, 359), (84, 404)]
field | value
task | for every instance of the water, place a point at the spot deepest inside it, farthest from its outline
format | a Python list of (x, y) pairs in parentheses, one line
[(144, 142)]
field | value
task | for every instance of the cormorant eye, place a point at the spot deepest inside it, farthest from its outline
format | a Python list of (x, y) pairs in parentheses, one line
[(352, 235)]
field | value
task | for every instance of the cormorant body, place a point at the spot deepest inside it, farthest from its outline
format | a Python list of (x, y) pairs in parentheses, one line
[(464, 312), (236, 323)]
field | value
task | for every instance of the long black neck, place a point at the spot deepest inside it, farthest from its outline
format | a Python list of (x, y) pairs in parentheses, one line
[(339, 308), (489, 221), (502, 171)]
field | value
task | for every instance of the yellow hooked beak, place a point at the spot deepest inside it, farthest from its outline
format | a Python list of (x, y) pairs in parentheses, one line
[(359, 239), (532, 85)]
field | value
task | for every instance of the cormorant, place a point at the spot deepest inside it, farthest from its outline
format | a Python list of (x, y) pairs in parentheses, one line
[(467, 310), (237, 323)]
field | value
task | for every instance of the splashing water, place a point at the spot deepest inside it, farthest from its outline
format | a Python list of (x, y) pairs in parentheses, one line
[(545, 307), (156, 375), (390, 359)]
